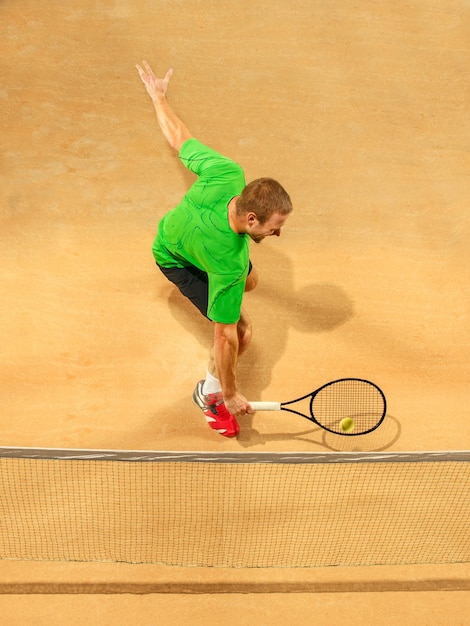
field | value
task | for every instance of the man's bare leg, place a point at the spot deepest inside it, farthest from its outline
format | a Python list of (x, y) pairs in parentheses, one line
[(244, 332)]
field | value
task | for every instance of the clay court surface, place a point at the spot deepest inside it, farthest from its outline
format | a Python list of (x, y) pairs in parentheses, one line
[(361, 110)]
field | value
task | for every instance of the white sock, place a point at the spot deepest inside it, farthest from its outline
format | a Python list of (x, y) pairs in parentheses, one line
[(211, 384)]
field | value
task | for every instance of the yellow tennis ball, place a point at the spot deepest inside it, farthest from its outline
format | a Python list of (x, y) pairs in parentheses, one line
[(347, 424)]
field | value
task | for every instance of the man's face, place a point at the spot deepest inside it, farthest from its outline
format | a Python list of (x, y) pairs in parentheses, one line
[(272, 227)]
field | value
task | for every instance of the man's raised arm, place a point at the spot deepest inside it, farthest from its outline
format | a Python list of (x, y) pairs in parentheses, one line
[(174, 130)]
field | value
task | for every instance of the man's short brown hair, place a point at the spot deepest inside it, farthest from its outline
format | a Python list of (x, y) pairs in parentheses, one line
[(264, 197)]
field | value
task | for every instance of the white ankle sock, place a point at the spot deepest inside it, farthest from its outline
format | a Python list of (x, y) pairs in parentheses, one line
[(211, 384)]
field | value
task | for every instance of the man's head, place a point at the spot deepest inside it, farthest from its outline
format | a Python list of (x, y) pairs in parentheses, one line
[(264, 206)]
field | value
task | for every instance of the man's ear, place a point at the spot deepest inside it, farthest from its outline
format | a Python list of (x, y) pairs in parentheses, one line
[(251, 218)]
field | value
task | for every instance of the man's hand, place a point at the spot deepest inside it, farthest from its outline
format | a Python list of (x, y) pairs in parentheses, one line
[(238, 405), (156, 87), (174, 130)]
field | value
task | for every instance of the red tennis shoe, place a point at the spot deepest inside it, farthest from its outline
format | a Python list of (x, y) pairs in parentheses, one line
[(217, 415)]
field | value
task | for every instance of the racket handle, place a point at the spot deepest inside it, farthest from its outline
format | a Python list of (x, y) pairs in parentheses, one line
[(266, 406)]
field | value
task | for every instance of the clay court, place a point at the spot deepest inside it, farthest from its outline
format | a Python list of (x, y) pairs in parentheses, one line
[(361, 112)]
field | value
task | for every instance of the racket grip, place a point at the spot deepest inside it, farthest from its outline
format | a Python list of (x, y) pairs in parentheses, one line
[(266, 406)]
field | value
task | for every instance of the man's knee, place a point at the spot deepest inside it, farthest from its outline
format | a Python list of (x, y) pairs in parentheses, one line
[(244, 331), (251, 280)]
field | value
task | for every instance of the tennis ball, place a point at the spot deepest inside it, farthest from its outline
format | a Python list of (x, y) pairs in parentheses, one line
[(347, 424)]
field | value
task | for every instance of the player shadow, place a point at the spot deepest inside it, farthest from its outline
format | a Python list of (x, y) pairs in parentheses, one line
[(274, 307)]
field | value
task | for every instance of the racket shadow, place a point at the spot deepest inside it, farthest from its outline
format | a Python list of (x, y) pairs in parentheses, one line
[(383, 438), (250, 437)]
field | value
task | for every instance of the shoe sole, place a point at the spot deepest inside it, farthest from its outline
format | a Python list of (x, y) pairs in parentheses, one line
[(198, 401)]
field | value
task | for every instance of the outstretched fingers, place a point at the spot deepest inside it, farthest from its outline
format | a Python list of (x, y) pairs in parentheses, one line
[(155, 86)]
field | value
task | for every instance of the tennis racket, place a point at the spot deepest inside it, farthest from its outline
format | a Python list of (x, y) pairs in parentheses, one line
[(348, 406)]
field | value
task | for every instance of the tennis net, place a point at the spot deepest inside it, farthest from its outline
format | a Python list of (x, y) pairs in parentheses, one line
[(239, 509)]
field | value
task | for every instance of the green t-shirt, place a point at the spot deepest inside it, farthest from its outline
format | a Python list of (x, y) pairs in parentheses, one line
[(197, 232)]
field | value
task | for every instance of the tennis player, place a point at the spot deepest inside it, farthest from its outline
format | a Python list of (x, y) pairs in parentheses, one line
[(202, 246)]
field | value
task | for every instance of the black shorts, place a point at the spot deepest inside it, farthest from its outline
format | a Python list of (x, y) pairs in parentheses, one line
[(193, 283)]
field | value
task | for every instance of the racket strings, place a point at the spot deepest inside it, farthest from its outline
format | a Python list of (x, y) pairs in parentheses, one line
[(358, 400)]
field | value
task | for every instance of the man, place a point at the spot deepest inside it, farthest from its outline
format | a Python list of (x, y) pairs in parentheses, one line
[(202, 246)]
